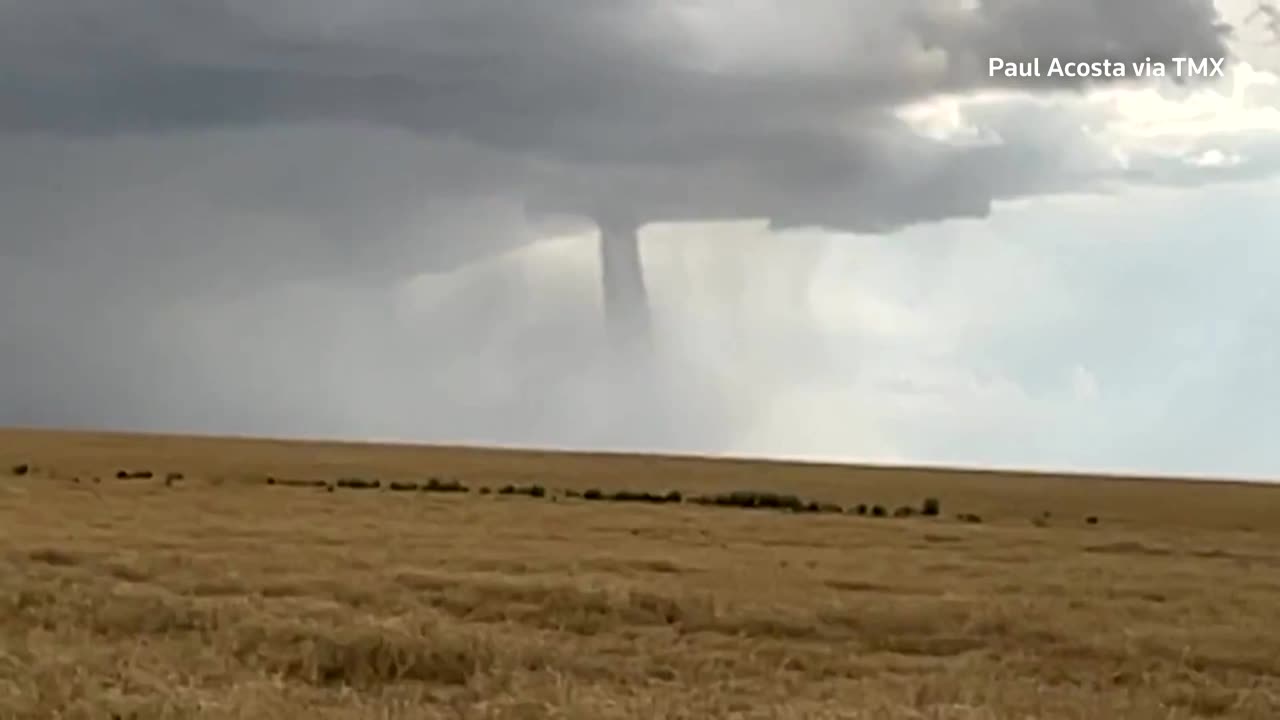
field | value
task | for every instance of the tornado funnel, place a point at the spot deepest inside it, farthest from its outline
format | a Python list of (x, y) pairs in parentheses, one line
[(626, 300)]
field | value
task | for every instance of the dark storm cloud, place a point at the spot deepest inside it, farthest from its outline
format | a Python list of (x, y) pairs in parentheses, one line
[(230, 209), (513, 74), (639, 93)]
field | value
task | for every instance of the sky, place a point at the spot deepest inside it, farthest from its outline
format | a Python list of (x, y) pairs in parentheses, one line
[(379, 220)]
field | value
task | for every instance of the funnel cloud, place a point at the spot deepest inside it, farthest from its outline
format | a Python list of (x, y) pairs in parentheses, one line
[(626, 301)]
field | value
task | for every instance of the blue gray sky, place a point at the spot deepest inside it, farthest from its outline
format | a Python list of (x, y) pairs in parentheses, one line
[(377, 220)]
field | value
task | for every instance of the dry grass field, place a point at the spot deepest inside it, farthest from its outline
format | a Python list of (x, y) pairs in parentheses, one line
[(219, 595)]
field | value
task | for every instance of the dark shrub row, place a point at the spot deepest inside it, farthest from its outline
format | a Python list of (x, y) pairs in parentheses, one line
[(432, 485), (445, 486), (673, 496), (289, 482), (930, 507), (748, 499), (776, 501), (751, 499), (535, 491)]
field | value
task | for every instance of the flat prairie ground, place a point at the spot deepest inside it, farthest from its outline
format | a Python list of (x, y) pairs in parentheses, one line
[(219, 595)]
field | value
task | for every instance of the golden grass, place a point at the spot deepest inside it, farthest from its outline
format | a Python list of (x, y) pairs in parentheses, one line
[(218, 596)]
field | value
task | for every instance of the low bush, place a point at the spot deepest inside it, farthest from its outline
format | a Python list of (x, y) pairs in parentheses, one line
[(284, 482), (751, 499), (438, 485), (645, 497), (535, 491)]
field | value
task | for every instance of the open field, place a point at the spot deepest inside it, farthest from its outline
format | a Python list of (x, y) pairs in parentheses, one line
[(219, 596)]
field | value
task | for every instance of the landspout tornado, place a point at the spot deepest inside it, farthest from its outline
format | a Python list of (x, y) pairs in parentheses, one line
[(626, 300)]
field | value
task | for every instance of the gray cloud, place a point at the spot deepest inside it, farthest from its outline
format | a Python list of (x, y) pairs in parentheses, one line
[(222, 211), (505, 72), (407, 136), (638, 94)]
